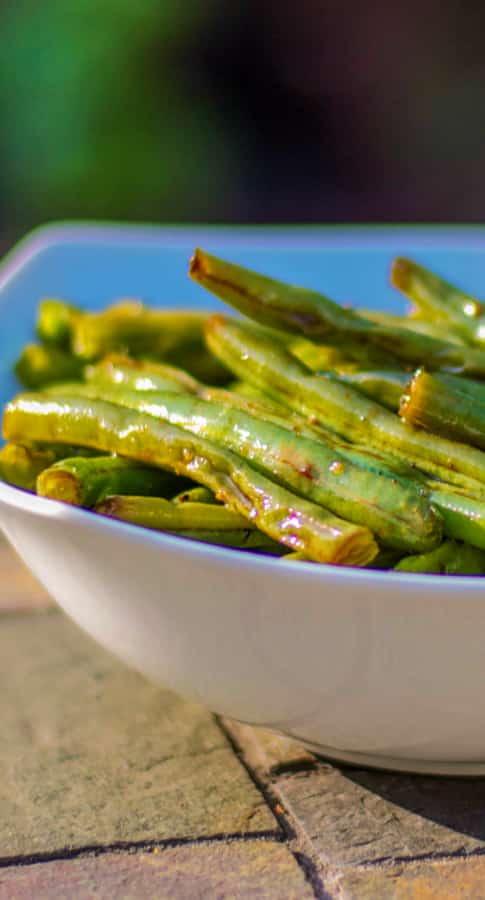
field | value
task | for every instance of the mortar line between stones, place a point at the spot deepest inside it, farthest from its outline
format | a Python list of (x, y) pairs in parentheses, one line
[(29, 859), (297, 840), (432, 856), (263, 786)]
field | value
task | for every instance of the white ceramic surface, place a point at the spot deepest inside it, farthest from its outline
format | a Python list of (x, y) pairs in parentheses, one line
[(371, 667)]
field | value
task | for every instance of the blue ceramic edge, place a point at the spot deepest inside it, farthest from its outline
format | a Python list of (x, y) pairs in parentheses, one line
[(176, 235)]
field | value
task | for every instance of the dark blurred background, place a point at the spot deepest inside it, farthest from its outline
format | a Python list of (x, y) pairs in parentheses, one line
[(202, 110)]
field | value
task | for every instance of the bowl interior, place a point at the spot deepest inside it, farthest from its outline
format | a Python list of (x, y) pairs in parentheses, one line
[(94, 265)]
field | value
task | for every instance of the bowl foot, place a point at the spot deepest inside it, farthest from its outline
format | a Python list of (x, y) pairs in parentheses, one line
[(390, 763)]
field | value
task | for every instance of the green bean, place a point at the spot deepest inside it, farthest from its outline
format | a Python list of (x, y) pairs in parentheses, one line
[(171, 335), (463, 515), (20, 465), (385, 559), (55, 322), (210, 524), (397, 511), (299, 310), (442, 409), (137, 375), (156, 512), (238, 540), (296, 556), (118, 371), (467, 386), (248, 539), (379, 462), (355, 417), (128, 325), (414, 323), (249, 392), (140, 375), (195, 495), (264, 410), (436, 298), (272, 303), (449, 559), (87, 481), (385, 386), (321, 356), (39, 365), (249, 399), (265, 407), (200, 363), (348, 356), (288, 519)]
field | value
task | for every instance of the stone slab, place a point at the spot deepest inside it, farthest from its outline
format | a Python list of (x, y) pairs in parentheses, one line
[(18, 588), (92, 754), (353, 817), (255, 869), (460, 879), (267, 752)]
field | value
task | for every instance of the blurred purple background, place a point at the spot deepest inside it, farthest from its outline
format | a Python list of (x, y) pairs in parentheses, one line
[(263, 112)]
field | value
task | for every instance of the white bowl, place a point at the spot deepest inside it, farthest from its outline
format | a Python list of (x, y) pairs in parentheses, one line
[(373, 668)]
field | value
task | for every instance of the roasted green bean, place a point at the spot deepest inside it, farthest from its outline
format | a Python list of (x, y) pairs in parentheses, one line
[(209, 524), (20, 465), (130, 325), (355, 417), (195, 495), (449, 559), (299, 310), (87, 481), (385, 386), (437, 299), (39, 365), (443, 408), (140, 375), (463, 515), (296, 523), (55, 322), (157, 512), (414, 322), (397, 511)]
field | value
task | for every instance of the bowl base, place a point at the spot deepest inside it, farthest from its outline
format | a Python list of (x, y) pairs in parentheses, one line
[(393, 764)]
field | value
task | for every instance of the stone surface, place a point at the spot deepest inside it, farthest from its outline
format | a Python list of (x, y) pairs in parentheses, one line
[(18, 588), (92, 754), (255, 869), (460, 879), (356, 817)]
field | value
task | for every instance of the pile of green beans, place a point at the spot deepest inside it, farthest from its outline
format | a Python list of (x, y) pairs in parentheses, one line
[(304, 430)]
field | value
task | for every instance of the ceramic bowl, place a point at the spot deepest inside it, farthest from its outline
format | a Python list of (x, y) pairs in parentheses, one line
[(372, 668)]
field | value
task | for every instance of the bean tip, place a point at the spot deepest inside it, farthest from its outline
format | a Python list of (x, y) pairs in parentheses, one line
[(214, 322), (108, 506), (400, 273), (197, 264)]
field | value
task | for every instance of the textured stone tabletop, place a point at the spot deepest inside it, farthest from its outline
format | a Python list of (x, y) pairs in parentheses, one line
[(114, 788)]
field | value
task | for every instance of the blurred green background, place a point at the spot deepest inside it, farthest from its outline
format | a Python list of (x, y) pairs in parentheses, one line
[(170, 111)]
